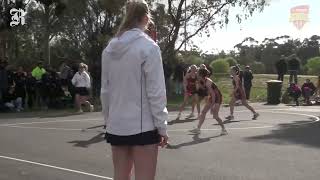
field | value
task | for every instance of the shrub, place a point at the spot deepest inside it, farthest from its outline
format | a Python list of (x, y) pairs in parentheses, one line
[(192, 59), (220, 66), (313, 66), (231, 61), (258, 68)]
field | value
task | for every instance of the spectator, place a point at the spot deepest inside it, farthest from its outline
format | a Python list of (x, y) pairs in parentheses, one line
[(3, 78), (82, 81), (65, 72), (293, 68), (247, 81), (20, 84), (281, 67), (38, 71), (55, 90), (178, 78), (308, 89), (44, 91), (294, 91), (31, 83), (11, 100)]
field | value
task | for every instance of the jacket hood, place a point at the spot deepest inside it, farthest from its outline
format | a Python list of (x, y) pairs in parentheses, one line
[(118, 46)]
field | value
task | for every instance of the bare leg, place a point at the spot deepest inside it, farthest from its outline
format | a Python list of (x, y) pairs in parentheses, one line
[(245, 103), (216, 109), (122, 162), (145, 161), (185, 101), (198, 104), (78, 102), (232, 102), (203, 115)]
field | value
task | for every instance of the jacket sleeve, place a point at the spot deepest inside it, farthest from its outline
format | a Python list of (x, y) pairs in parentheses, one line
[(156, 90), (74, 79), (104, 88), (88, 80)]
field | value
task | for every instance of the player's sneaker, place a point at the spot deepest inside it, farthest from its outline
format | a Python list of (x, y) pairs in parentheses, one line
[(91, 108), (223, 132), (230, 117), (178, 118), (195, 130), (255, 116), (190, 116)]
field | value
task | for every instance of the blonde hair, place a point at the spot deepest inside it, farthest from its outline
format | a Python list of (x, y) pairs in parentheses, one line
[(135, 11), (83, 65)]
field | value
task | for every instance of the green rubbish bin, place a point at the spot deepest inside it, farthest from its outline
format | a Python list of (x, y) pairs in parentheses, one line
[(274, 91)]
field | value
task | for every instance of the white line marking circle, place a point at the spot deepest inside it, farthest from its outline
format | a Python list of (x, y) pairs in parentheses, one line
[(55, 167), (317, 119)]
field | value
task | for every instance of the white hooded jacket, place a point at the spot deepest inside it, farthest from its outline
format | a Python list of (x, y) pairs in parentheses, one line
[(133, 92)]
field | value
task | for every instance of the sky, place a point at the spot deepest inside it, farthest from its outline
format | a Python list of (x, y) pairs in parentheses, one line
[(272, 22)]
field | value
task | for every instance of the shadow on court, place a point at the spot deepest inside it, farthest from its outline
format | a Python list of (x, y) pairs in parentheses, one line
[(39, 114), (195, 140), (86, 143), (181, 121), (292, 133)]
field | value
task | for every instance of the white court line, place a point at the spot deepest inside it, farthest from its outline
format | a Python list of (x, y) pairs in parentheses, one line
[(55, 167), (45, 122), (317, 119), (43, 128)]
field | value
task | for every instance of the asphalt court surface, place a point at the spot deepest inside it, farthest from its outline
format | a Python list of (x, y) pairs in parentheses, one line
[(282, 144)]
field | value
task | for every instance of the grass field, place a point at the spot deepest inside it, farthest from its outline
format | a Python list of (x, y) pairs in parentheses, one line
[(258, 91)]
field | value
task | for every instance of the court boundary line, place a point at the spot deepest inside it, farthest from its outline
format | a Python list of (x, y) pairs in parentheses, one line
[(317, 119), (55, 167), (45, 122)]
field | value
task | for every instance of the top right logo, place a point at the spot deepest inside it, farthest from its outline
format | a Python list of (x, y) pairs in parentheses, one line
[(300, 16)]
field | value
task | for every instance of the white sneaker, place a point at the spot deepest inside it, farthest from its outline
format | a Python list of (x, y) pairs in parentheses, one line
[(91, 108), (178, 118), (195, 130), (190, 116), (80, 111), (223, 132)]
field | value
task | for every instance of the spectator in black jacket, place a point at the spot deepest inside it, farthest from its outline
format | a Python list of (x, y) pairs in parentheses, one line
[(293, 68), (31, 84), (3, 78), (20, 84), (11, 100), (281, 67), (308, 89), (247, 81)]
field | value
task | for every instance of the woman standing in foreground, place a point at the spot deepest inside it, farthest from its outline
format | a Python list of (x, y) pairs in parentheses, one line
[(133, 96)]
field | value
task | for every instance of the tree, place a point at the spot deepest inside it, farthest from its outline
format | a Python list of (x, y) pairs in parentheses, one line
[(90, 25), (313, 66), (258, 68), (201, 15), (220, 66), (49, 13)]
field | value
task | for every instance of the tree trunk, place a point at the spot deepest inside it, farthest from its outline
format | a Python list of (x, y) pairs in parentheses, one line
[(46, 37)]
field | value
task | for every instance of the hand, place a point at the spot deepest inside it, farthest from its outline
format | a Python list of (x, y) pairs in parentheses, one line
[(163, 141)]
